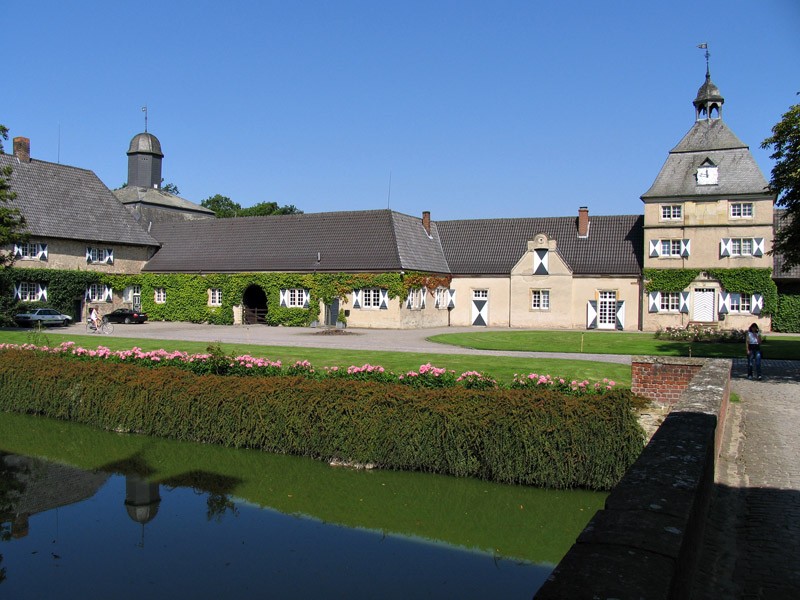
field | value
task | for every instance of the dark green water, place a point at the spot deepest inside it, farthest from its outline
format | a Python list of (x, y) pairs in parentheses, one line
[(107, 515)]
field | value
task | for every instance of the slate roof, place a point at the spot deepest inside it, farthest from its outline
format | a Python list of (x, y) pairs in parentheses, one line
[(708, 139), (777, 259), (615, 244), (132, 194), (60, 201), (350, 241)]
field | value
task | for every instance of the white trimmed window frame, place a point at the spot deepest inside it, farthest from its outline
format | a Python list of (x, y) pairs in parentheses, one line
[(741, 210), (670, 248), (27, 291), (670, 302), (742, 247), (740, 304), (540, 300), (99, 256), (671, 212), (160, 295), (371, 298), (295, 297), (215, 296)]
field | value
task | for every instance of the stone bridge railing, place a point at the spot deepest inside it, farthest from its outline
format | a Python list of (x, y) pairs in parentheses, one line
[(644, 543)]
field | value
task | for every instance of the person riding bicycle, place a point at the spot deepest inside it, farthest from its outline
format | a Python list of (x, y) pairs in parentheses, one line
[(94, 317)]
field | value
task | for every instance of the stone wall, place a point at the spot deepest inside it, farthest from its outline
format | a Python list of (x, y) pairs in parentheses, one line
[(643, 544)]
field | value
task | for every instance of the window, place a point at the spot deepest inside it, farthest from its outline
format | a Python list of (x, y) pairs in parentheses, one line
[(670, 247), (741, 246), (480, 294), (160, 295), (741, 210), (28, 251), (440, 297), (96, 255), (215, 297), (670, 302), (295, 298), (416, 299), (96, 292), (740, 303), (540, 299), (671, 212), (372, 297), (28, 292)]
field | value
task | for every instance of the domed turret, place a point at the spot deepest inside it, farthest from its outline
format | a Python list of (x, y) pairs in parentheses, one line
[(144, 161), (708, 104)]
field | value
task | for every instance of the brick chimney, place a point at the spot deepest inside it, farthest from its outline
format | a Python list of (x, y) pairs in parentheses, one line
[(583, 222), (22, 149), (426, 221)]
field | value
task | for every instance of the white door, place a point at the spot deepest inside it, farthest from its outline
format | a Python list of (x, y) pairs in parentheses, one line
[(480, 308), (703, 304), (607, 310)]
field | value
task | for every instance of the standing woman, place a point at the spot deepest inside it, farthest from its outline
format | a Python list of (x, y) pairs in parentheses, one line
[(752, 341)]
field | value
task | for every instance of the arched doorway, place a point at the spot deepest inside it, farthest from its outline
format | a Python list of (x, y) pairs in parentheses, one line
[(254, 303)]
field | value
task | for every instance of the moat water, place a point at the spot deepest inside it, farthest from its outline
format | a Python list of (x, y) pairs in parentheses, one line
[(92, 514)]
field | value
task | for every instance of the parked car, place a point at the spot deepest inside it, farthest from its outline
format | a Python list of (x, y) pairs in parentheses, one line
[(42, 316), (126, 315)]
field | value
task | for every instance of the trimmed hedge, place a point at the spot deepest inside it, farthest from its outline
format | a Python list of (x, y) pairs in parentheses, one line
[(531, 437)]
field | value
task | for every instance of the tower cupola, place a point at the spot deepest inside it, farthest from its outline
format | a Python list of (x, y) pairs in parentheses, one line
[(708, 104), (144, 161)]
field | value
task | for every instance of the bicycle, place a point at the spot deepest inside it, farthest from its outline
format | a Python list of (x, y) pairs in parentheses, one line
[(106, 327)]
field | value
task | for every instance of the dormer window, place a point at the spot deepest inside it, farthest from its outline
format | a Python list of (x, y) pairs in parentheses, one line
[(707, 173)]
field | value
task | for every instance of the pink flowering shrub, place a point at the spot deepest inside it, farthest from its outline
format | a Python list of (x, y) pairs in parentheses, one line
[(216, 362)]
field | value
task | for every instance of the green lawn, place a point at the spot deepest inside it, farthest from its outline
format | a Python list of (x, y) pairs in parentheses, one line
[(612, 342), (501, 368)]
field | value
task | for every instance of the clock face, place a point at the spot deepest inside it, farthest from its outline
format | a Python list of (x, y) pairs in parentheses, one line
[(707, 175)]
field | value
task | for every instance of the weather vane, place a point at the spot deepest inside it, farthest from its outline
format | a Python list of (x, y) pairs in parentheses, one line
[(144, 110), (704, 46)]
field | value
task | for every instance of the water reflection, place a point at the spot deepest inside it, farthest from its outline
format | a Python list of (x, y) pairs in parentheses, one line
[(222, 523)]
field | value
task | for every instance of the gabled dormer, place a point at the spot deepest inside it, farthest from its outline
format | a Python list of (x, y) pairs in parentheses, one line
[(707, 173)]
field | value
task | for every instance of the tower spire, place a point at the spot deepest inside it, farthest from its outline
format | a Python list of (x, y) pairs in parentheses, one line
[(144, 110), (708, 103)]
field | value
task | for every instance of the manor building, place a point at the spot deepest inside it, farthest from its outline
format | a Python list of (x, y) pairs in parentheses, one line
[(707, 214)]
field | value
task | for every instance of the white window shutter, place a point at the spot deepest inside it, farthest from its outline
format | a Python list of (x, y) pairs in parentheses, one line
[(356, 298), (384, 305), (42, 252), (541, 262), (684, 305), (284, 298), (758, 246), (409, 298), (620, 314), (109, 256), (88, 254), (424, 301), (654, 302), (655, 248), (306, 298), (17, 251), (591, 314), (756, 304), (724, 247), (451, 298), (41, 293), (88, 294), (18, 291), (108, 294), (685, 248), (724, 303)]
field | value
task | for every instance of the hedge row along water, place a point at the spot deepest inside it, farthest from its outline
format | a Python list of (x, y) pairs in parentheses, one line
[(531, 437)]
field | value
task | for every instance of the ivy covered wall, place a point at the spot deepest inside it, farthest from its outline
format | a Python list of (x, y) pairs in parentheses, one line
[(787, 319), (187, 294)]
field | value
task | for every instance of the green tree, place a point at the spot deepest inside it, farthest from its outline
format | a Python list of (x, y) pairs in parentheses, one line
[(170, 188), (785, 183), (223, 206), (12, 223), (226, 208)]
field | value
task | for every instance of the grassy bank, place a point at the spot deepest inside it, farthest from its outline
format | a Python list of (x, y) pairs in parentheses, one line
[(613, 342)]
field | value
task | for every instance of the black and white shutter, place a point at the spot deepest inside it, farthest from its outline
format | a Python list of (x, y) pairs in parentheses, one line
[(591, 314)]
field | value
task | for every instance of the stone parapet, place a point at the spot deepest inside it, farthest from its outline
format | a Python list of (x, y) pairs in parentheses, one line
[(643, 544)]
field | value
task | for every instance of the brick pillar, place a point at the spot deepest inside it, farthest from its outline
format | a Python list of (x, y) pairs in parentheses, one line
[(22, 149)]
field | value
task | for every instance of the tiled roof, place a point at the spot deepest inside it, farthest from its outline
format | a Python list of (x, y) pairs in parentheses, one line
[(493, 246), (59, 201), (708, 139), (777, 259), (378, 240)]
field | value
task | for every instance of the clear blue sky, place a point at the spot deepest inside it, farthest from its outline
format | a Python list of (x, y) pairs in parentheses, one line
[(472, 109)]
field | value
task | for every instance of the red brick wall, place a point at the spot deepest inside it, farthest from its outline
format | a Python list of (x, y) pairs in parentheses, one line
[(662, 381)]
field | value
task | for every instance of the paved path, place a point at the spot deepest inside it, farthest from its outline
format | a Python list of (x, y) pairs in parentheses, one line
[(405, 340), (752, 541)]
